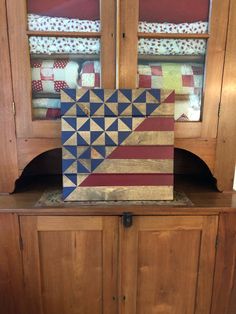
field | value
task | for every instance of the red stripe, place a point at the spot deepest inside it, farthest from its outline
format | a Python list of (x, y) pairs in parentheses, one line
[(105, 179), (170, 98), (142, 152), (156, 124)]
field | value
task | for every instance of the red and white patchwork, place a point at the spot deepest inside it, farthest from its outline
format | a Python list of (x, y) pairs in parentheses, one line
[(186, 79), (50, 76), (90, 74)]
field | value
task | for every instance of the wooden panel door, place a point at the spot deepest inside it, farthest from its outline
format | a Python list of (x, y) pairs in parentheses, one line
[(70, 264), (127, 45), (29, 125), (197, 137), (167, 265)]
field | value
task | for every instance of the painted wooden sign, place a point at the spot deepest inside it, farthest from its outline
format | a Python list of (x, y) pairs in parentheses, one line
[(117, 144)]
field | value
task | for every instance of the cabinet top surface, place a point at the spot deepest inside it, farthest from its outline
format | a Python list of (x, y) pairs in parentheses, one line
[(203, 199)]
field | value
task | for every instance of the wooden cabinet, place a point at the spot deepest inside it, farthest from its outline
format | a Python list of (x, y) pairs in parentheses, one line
[(117, 39), (77, 264)]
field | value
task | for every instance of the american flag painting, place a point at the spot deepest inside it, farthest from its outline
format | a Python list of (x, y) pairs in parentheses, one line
[(117, 144)]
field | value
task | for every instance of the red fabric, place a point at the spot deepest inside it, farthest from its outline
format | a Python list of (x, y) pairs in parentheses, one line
[(145, 81), (81, 9), (173, 11), (156, 70), (187, 80), (53, 114)]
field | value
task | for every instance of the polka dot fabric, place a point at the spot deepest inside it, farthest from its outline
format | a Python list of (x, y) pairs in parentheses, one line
[(59, 24), (58, 85), (183, 28), (61, 45), (37, 86), (172, 47), (53, 45)]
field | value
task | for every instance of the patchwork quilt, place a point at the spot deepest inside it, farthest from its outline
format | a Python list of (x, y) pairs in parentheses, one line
[(50, 76), (186, 79)]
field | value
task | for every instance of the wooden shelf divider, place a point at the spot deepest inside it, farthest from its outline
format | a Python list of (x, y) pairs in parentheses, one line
[(172, 36), (178, 59), (64, 34), (72, 56)]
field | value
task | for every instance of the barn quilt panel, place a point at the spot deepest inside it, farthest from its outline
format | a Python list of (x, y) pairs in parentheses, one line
[(117, 144)]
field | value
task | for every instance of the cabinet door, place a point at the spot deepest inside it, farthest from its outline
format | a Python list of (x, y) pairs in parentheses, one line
[(54, 45), (70, 264), (167, 265), (177, 44)]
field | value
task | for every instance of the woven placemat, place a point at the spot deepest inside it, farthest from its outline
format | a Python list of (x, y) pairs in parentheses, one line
[(54, 199)]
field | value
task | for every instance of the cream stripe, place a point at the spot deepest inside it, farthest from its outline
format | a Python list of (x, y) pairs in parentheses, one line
[(150, 138), (135, 166), (127, 193)]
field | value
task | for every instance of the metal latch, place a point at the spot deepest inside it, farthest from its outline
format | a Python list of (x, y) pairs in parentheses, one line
[(127, 220)]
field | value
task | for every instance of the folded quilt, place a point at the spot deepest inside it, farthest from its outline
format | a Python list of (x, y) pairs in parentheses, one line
[(61, 24), (183, 78), (46, 113), (60, 45), (53, 45), (46, 23), (172, 47), (50, 76), (45, 103), (186, 28), (165, 47), (90, 74)]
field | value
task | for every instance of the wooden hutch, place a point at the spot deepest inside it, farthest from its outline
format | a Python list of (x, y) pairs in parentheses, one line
[(84, 258), (211, 138)]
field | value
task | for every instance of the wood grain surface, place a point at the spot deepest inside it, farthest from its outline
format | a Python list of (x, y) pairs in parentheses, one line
[(8, 155), (167, 265), (11, 276), (223, 300), (69, 265), (122, 193), (226, 140), (135, 166)]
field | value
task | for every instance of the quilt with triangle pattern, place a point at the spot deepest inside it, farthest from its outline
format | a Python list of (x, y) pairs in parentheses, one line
[(117, 144)]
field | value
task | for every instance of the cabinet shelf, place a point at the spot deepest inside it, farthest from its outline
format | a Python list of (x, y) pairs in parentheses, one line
[(46, 95), (64, 34), (66, 55), (172, 35), (178, 59)]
